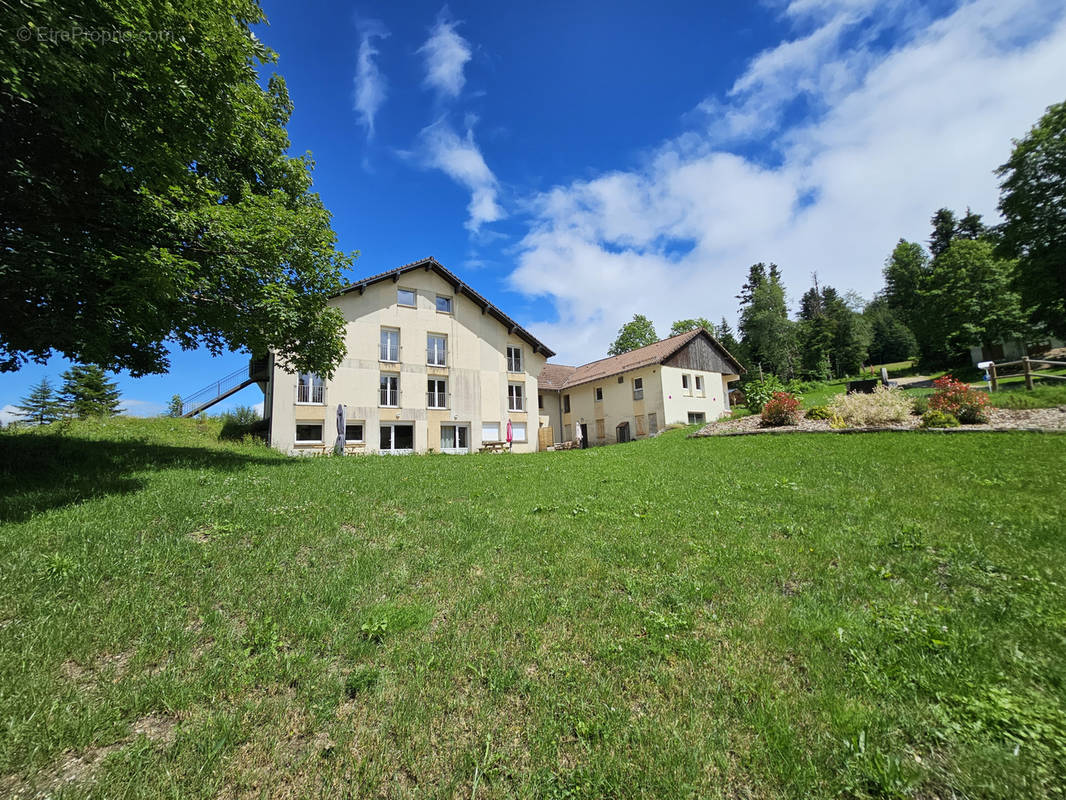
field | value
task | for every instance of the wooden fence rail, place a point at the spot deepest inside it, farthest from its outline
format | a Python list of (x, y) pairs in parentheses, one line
[(1027, 370)]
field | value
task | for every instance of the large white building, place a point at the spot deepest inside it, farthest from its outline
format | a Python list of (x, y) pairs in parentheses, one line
[(431, 365)]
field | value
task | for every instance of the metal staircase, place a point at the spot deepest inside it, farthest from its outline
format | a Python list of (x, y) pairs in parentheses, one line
[(256, 372)]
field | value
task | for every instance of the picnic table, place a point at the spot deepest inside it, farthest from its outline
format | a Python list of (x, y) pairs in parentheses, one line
[(493, 447)]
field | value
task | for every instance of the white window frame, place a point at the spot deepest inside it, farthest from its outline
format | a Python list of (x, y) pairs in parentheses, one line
[(515, 428), (514, 358), (388, 376), (699, 386), (457, 426), (310, 390), (432, 351), (309, 422), (638, 391), (692, 421), (448, 300), (598, 394), (686, 384), (385, 348), (516, 397), (414, 297), (485, 426), (392, 437), (362, 425), (439, 395)]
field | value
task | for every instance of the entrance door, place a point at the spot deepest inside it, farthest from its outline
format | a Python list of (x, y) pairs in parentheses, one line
[(622, 433), (397, 438), (584, 435), (454, 439)]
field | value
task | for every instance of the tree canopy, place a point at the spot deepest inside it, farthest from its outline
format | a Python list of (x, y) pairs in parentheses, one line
[(147, 197), (766, 331), (638, 332), (685, 325), (1033, 204)]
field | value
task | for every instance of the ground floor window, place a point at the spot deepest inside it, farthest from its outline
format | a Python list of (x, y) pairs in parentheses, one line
[(518, 431), (490, 431), (353, 432), (454, 439), (397, 438), (696, 417), (308, 433)]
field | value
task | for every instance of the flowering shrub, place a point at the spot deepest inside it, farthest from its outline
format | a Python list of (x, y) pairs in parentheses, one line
[(938, 419), (966, 404), (883, 406), (781, 409), (818, 412)]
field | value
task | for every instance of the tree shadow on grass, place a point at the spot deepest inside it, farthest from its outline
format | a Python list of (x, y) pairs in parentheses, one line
[(40, 472)]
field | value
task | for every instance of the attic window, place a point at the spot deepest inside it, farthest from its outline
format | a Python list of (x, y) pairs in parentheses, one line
[(444, 304), (405, 297)]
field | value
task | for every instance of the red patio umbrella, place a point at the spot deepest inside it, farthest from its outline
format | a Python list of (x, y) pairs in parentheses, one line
[(510, 434)]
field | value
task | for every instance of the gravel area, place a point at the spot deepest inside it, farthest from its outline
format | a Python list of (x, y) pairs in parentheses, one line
[(1000, 419)]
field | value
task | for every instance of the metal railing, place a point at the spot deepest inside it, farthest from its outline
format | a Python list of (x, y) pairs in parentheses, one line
[(436, 400), (314, 393), (205, 396)]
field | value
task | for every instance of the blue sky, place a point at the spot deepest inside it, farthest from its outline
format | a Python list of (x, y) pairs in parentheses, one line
[(579, 163)]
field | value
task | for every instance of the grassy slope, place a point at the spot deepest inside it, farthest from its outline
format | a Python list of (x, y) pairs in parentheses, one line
[(763, 617)]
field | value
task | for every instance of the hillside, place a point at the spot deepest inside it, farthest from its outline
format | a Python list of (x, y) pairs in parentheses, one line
[(761, 617)]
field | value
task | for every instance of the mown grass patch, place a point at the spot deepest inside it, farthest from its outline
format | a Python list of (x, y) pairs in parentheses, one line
[(767, 617)]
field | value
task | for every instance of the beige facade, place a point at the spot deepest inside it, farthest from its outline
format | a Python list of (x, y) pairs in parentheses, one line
[(430, 366), (639, 393)]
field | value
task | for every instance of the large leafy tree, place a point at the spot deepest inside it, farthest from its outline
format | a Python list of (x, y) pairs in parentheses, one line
[(42, 405), (88, 392), (685, 325), (970, 290), (1033, 204), (147, 196), (766, 331), (638, 332)]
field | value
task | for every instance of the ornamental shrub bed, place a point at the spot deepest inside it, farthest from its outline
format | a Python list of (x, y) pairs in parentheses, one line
[(968, 405), (781, 409), (883, 406)]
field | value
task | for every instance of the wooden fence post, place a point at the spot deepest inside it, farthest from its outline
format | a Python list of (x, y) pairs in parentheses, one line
[(1028, 373), (995, 381)]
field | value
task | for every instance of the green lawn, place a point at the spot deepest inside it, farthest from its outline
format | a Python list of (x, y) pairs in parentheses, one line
[(788, 616)]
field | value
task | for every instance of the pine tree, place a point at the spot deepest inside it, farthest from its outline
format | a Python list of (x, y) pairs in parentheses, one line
[(87, 392), (41, 406), (766, 332), (970, 226), (174, 407), (945, 229)]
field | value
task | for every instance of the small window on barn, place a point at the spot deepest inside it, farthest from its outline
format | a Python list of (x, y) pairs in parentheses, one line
[(685, 383), (696, 418), (599, 394), (699, 385), (566, 404), (638, 388)]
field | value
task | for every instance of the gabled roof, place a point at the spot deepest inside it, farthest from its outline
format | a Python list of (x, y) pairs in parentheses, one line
[(655, 353), (431, 263), (553, 376)]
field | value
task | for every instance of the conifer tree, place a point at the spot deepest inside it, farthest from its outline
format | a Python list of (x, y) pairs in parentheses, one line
[(87, 392)]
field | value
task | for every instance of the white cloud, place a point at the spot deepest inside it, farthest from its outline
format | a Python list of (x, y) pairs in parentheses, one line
[(370, 84), (460, 158), (141, 408), (9, 414), (890, 135), (445, 53)]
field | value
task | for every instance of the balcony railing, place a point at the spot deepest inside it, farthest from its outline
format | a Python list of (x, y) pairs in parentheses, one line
[(390, 397), (311, 393), (437, 399)]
